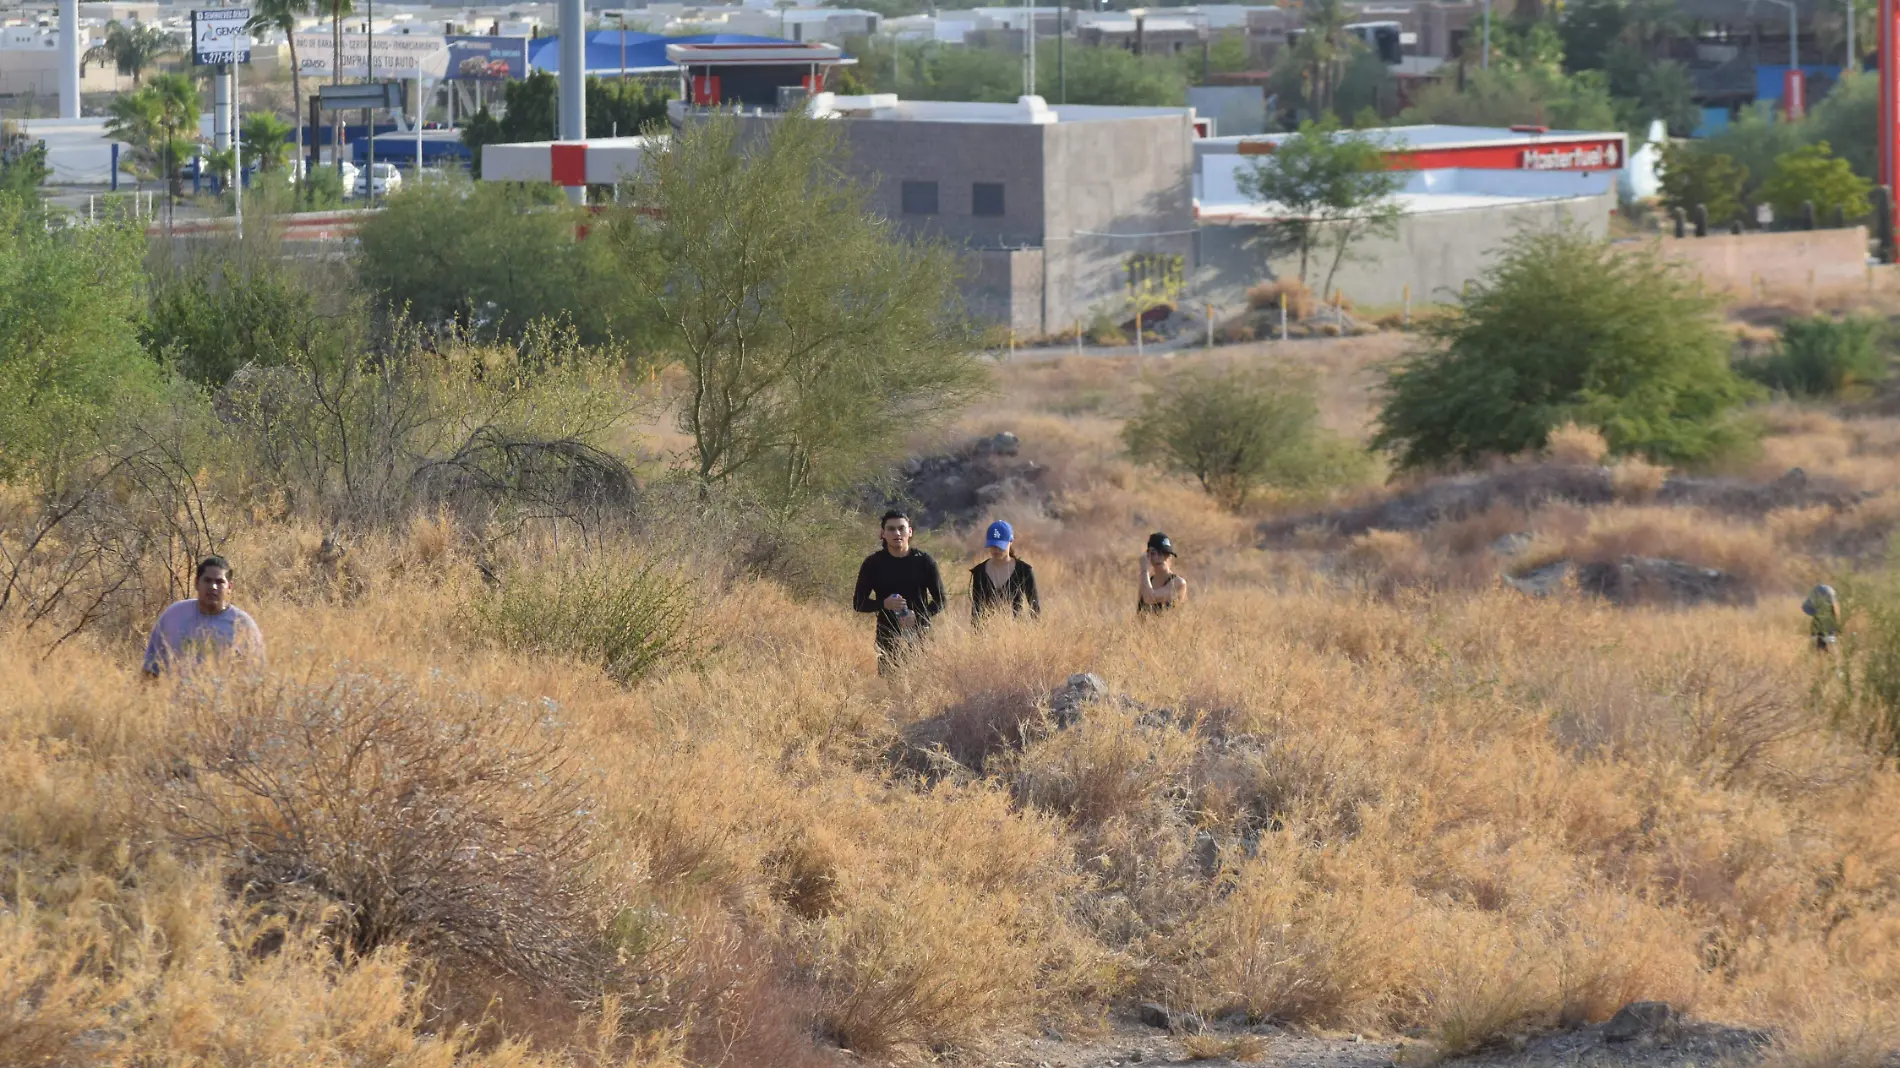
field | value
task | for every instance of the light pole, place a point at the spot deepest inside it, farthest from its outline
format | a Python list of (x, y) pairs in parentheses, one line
[(1484, 57), (622, 16), (1853, 56)]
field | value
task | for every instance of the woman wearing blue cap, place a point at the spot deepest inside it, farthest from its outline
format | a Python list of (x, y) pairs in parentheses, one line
[(1002, 581)]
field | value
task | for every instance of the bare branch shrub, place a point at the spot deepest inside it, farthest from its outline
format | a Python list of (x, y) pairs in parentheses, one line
[(445, 822)]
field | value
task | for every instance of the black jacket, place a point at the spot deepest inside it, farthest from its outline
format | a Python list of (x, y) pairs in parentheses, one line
[(912, 576), (1017, 594)]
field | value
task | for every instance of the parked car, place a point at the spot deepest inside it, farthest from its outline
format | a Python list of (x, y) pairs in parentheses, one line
[(387, 178)]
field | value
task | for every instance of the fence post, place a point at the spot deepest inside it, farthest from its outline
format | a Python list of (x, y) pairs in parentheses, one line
[(1405, 311), (1810, 290), (1283, 316), (1078, 337)]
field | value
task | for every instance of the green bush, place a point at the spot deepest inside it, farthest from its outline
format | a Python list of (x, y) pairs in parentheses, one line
[(69, 352), (1566, 328), (489, 259), (211, 314), (1812, 174), (1821, 357), (1692, 175), (628, 620), (1239, 430), (1868, 704), (322, 190)]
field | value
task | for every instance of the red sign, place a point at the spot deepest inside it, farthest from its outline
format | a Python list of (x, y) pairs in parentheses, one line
[(1794, 93), (1604, 154), (1593, 154)]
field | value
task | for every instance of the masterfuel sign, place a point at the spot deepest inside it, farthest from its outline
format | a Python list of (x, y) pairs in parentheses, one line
[(1599, 157), (1500, 151), (218, 36)]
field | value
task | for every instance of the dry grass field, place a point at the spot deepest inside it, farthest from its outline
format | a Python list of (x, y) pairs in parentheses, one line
[(1357, 784)]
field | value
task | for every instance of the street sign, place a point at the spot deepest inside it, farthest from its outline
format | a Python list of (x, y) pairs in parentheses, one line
[(380, 95), (218, 36)]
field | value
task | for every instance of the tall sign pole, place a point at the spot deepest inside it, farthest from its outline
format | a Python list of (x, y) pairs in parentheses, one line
[(1889, 133)]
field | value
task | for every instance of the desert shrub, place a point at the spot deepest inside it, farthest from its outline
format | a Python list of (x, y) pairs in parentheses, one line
[(1104, 330), (351, 429), (816, 339), (1692, 175), (1266, 296), (1812, 174), (1573, 444), (321, 190), (217, 310), (69, 350), (1636, 480), (1567, 328), (1239, 430), (1819, 356), (489, 259), (627, 621), (1869, 706), (434, 819)]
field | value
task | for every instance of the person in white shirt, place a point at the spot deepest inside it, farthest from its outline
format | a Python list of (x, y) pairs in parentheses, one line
[(208, 624)]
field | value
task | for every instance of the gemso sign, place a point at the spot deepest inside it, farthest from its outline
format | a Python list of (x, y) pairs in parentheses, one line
[(219, 36)]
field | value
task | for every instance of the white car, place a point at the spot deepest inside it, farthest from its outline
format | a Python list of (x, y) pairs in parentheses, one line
[(387, 178)]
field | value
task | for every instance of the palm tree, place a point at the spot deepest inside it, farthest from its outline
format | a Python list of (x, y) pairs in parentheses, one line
[(131, 48), (264, 139), (136, 121), (284, 15), (1323, 48), (153, 120)]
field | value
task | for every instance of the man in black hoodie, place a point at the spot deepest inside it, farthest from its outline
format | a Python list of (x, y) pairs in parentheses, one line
[(901, 585)]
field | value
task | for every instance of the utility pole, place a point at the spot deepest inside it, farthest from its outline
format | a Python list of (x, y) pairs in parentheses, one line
[(369, 117), (1484, 58), (1062, 30), (573, 81)]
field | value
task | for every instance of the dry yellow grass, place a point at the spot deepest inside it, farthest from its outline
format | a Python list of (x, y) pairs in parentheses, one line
[(1417, 804)]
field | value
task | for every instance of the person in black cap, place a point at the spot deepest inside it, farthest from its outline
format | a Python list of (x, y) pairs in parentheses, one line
[(1161, 588), (901, 585)]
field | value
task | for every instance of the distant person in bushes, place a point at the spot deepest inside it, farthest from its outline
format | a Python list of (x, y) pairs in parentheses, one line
[(205, 625), (1161, 588), (902, 586), (1825, 625), (1003, 581)]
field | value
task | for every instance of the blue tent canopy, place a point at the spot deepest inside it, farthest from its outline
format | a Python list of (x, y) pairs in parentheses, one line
[(645, 52)]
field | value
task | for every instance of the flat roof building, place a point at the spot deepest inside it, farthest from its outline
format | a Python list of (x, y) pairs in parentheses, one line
[(1052, 207)]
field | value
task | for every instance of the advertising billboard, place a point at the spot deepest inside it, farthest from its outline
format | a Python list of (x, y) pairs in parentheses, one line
[(218, 36), (488, 59), (397, 55)]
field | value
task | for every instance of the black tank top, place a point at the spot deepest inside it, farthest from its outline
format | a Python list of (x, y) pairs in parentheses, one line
[(1143, 607)]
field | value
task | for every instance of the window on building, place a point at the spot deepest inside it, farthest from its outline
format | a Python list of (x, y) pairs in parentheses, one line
[(920, 198), (986, 198)]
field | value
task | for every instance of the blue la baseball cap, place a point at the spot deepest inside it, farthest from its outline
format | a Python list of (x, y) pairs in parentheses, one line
[(1000, 535)]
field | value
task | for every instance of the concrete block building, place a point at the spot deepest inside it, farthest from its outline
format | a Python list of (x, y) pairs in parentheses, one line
[(1051, 207)]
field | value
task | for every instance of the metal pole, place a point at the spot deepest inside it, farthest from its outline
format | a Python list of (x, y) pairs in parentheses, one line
[(622, 16), (1794, 44), (573, 80), (1853, 56), (1484, 59), (237, 154), (1062, 30), (369, 63), (68, 59)]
